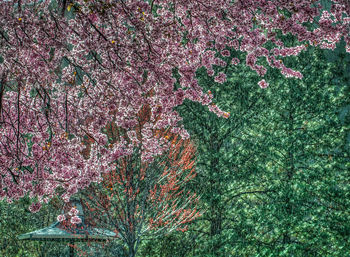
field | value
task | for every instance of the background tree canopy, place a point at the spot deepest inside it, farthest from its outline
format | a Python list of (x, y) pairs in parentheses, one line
[(274, 178)]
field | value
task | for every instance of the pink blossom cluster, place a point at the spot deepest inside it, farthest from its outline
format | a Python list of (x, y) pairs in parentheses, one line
[(225, 53), (75, 220), (72, 214), (220, 78), (213, 108), (61, 218), (263, 84), (288, 51), (235, 61), (35, 207)]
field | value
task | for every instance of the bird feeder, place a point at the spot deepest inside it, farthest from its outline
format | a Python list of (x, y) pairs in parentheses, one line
[(65, 231)]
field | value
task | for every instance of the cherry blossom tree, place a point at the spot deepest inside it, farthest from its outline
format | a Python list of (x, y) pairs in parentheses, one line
[(68, 68), (137, 199)]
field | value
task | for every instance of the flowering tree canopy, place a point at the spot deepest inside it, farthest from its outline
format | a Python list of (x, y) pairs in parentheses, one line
[(70, 67), (139, 200)]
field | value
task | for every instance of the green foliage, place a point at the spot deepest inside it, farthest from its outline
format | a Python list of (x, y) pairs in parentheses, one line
[(274, 177), (16, 219)]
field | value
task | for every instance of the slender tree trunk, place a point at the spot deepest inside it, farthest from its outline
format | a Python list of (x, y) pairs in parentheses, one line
[(131, 242), (216, 206), (216, 221), (131, 251), (216, 229), (286, 239)]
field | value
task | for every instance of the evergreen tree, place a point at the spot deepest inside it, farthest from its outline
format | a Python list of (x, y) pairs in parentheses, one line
[(274, 177)]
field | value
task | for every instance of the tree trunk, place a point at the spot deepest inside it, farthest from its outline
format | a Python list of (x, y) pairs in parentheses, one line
[(131, 252), (71, 250), (216, 229)]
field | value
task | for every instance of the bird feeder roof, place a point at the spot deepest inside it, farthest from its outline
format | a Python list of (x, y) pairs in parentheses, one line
[(58, 231)]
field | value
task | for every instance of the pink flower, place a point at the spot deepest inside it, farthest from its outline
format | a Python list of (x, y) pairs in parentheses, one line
[(225, 53), (234, 44), (75, 220), (35, 139), (180, 94), (102, 140), (220, 78), (263, 83), (61, 218), (73, 212), (93, 17), (35, 207), (251, 60), (118, 153), (210, 72), (275, 51), (235, 61), (112, 106), (261, 70)]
